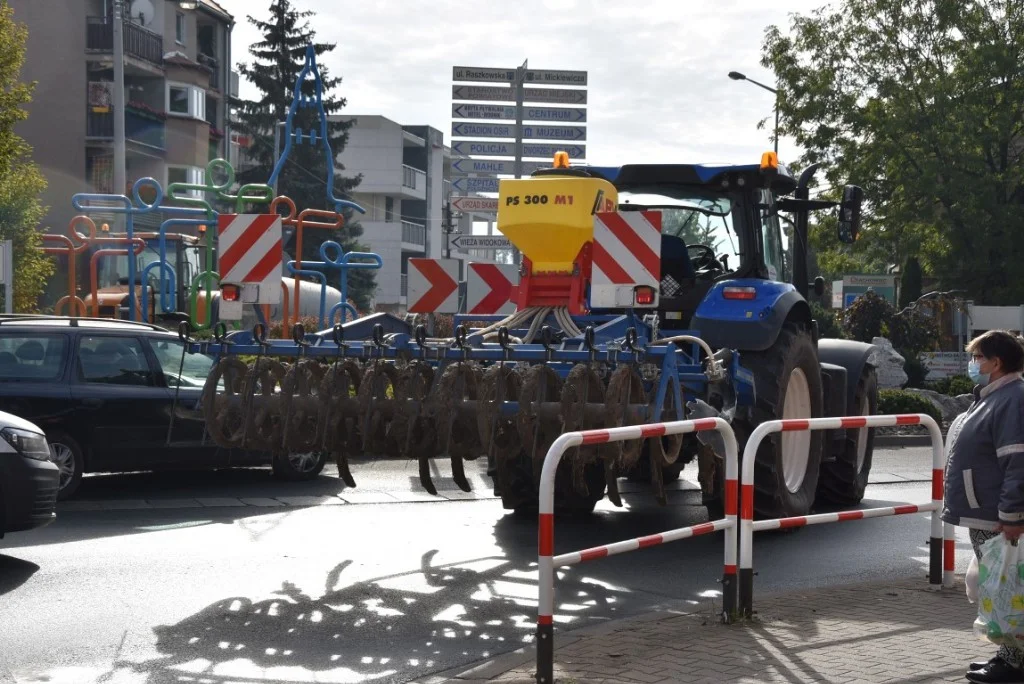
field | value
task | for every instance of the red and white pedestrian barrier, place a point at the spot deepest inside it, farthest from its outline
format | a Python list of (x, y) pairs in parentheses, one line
[(547, 561), (941, 542)]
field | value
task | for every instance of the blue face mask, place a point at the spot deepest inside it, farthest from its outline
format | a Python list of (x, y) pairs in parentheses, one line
[(974, 371)]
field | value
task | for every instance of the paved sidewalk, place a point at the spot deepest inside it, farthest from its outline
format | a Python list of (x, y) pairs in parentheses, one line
[(890, 632)]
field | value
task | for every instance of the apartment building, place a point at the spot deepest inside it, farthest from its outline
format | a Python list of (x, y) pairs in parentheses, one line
[(177, 81), (404, 190)]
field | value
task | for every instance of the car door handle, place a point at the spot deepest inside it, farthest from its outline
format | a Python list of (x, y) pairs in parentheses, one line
[(92, 403)]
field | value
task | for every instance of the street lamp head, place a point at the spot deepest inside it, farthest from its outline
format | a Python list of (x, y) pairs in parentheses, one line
[(188, 4), (737, 76)]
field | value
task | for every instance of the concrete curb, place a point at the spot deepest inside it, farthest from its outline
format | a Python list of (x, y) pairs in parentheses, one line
[(902, 441)]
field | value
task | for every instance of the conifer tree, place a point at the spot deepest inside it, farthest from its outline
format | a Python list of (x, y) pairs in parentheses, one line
[(276, 63)]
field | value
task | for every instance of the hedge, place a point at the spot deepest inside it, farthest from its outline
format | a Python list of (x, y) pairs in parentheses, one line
[(899, 401)]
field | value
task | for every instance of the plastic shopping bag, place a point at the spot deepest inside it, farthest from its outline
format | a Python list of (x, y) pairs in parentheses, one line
[(971, 580), (1001, 593)]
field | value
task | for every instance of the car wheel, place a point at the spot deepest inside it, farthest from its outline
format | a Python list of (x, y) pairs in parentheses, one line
[(300, 466), (67, 456)]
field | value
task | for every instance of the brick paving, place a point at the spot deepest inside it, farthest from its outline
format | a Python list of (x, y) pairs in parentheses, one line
[(890, 632)]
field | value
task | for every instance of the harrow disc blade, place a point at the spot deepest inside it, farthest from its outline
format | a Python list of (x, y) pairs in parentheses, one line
[(459, 437), (582, 387), (412, 427), (224, 412), (338, 413), (265, 424), (498, 432), (300, 390), (376, 392), (540, 384)]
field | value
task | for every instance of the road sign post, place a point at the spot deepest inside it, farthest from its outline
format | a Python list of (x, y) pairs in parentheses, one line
[(7, 274), (559, 130)]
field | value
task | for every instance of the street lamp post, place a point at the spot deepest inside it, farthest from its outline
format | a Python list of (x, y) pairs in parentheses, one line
[(737, 76), (120, 171)]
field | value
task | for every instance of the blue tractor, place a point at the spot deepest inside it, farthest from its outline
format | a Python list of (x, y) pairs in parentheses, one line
[(732, 276)]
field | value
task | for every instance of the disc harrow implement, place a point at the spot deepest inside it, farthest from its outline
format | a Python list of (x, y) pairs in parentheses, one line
[(382, 387)]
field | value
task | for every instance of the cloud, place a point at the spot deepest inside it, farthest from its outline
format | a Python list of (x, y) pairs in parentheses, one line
[(658, 90)]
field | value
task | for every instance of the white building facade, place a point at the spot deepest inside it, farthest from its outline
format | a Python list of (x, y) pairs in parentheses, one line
[(404, 190)]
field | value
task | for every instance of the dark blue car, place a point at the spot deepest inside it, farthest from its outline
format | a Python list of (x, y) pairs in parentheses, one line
[(103, 391)]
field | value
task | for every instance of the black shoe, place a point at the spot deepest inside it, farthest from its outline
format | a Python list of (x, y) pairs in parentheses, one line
[(997, 671), (978, 664)]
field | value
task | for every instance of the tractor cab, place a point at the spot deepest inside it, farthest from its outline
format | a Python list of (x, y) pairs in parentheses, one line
[(185, 255)]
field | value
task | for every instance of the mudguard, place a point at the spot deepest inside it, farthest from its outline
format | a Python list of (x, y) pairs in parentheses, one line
[(849, 354), (748, 324)]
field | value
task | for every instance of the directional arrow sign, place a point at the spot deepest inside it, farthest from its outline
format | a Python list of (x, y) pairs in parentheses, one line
[(486, 148), (480, 241), (554, 132), (530, 113), (576, 152), (495, 130), (433, 285), (555, 77), (483, 130), (484, 74), (475, 184), (489, 288), (483, 147), (471, 204), (493, 166), (508, 94)]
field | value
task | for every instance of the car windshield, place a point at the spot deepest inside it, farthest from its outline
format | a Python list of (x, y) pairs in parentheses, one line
[(695, 216), (193, 373)]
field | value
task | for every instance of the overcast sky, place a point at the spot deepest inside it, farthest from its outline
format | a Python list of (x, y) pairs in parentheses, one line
[(658, 90)]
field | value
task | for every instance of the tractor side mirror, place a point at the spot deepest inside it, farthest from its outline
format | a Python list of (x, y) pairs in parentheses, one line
[(849, 214)]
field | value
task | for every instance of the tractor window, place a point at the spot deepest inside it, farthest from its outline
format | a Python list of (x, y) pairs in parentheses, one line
[(699, 219), (114, 269), (771, 234)]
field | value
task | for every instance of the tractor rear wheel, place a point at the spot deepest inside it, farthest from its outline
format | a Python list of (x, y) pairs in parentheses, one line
[(788, 385), (844, 480)]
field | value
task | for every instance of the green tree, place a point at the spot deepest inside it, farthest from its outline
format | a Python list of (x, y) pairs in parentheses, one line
[(910, 282), (277, 61), (20, 180), (921, 104)]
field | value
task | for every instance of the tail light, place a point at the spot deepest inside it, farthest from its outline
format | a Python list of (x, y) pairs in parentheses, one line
[(643, 295), (747, 293), (229, 293)]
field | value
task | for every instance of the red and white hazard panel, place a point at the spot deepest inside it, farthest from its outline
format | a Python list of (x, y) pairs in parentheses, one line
[(627, 259), (250, 261), (433, 286), (489, 288)]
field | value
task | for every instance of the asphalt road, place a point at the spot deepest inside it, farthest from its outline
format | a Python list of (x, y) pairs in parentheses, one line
[(232, 577)]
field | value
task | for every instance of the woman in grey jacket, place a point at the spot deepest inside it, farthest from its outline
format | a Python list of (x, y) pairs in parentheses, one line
[(985, 466)]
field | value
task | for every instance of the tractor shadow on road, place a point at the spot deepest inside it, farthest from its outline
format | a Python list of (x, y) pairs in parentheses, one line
[(14, 572), (391, 628)]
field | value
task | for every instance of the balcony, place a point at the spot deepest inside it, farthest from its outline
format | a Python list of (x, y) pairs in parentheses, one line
[(138, 128), (213, 65), (413, 178), (139, 42), (414, 234)]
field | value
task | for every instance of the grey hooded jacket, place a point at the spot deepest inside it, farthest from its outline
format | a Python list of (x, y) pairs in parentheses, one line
[(985, 458)]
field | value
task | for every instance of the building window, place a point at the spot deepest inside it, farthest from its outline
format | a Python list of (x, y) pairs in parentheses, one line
[(186, 100), (179, 28), (193, 175), (389, 209)]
